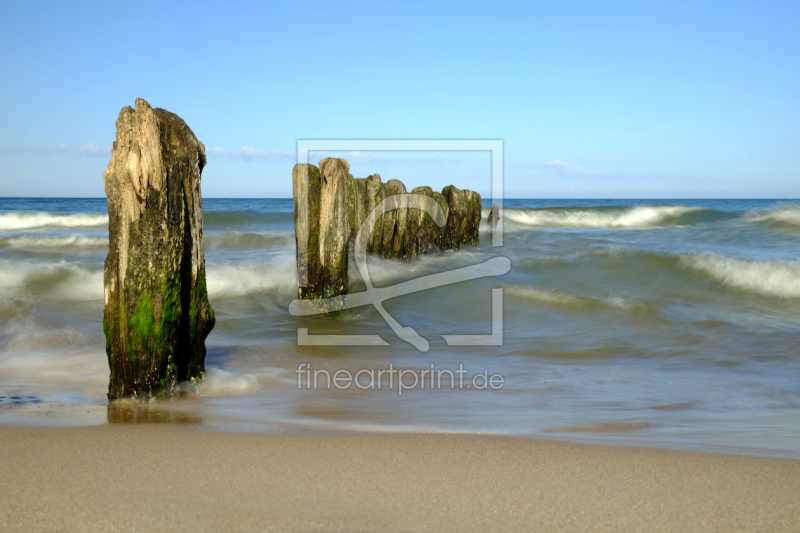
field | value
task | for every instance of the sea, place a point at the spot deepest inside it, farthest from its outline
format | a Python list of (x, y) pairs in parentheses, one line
[(665, 323)]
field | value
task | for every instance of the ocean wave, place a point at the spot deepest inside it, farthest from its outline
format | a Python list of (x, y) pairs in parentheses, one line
[(568, 299), (552, 296), (64, 280), (69, 241), (29, 221), (784, 218), (30, 329), (639, 217), (252, 278), (235, 240), (769, 278), (61, 280), (244, 219)]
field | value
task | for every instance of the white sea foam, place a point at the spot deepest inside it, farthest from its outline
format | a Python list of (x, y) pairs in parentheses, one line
[(83, 370), (230, 280), (37, 332), (770, 278), (279, 274), (627, 303), (218, 382), (640, 217), (64, 280), (26, 221), (61, 280), (569, 299), (550, 296), (69, 241)]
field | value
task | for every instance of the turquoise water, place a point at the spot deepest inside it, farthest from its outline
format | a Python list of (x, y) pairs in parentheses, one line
[(653, 321)]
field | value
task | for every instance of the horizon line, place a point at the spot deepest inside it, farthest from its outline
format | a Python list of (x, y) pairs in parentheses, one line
[(482, 198)]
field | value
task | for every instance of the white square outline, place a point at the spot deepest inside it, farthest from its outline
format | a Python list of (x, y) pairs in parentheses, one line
[(473, 145)]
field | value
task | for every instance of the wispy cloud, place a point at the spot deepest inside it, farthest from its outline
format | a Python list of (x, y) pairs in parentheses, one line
[(249, 153), (87, 150), (401, 157), (352, 157), (563, 167), (90, 149)]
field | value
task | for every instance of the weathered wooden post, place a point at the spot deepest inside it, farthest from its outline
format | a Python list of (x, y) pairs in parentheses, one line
[(322, 227), (157, 314)]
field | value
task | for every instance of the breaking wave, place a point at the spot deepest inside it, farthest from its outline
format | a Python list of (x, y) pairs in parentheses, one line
[(31, 221), (784, 218), (69, 241), (769, 278), (251, 278), (639, 217), (61, 280)]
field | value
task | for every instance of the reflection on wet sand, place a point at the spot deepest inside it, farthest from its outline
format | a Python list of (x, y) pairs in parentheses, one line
[(126, 412)]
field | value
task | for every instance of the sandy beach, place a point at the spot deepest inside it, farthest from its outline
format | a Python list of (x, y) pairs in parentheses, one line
[(177, 478)]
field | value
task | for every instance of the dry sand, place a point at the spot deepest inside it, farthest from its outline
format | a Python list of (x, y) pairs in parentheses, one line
[(173, 478)]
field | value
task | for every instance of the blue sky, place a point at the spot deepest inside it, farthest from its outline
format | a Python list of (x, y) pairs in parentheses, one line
[(592, 99)]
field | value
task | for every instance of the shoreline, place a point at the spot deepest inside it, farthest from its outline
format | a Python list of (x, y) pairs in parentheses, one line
[(171, 477), (98, 415)]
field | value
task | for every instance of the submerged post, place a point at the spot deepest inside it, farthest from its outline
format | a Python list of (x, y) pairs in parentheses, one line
[(494, 218), (157, 314)]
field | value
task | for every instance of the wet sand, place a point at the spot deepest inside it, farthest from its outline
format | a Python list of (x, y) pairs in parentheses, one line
[(177, 478)]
